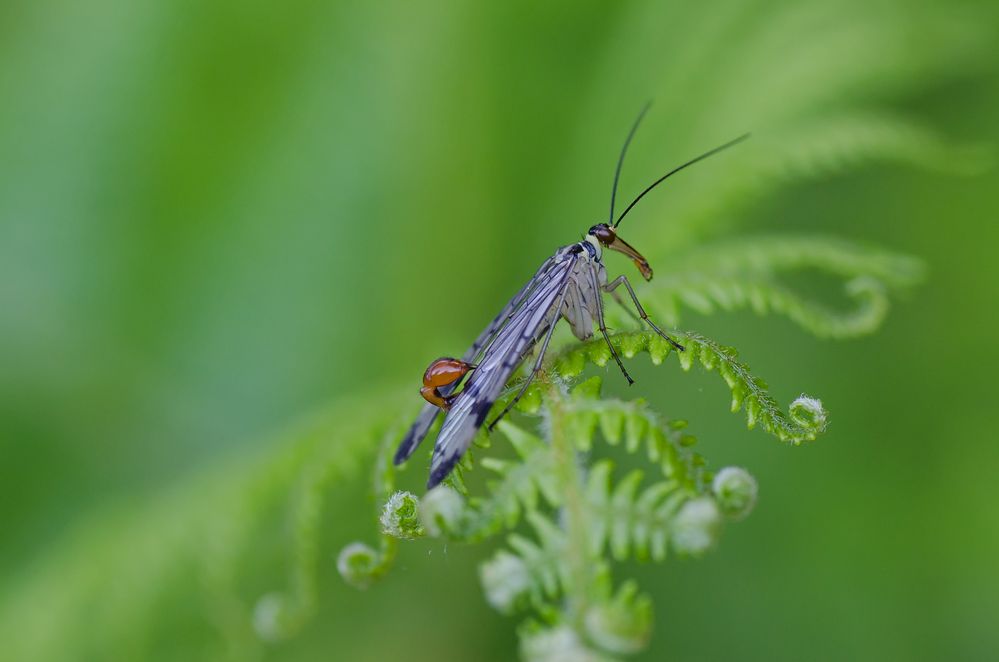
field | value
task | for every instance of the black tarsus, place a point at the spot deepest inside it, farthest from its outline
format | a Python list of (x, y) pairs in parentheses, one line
[(677, 169), (624, 150)]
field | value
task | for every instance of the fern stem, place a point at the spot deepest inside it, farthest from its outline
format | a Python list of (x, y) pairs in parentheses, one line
[(570, 485)]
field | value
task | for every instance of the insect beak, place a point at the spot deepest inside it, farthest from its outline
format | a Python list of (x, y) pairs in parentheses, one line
[(621, 246)]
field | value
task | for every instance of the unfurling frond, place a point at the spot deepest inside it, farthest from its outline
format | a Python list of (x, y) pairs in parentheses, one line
[(801, 423), (820, 146), (765, 274)]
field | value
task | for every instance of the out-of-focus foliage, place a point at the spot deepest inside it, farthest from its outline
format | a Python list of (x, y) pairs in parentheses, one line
[(217, 216)]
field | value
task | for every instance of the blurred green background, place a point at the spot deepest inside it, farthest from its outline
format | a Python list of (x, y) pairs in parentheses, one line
[(216, 218)]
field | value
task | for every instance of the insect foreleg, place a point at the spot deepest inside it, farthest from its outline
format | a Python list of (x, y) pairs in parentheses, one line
[(611, 286), (599, 304)]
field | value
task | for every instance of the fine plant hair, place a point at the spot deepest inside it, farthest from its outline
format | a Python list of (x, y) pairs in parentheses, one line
[(540, 501)]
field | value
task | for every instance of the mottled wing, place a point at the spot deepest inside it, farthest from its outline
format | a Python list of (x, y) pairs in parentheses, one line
[(425, 419), (500, 359)]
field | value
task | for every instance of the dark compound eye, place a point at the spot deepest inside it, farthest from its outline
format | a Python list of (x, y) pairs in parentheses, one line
[(604, 233)]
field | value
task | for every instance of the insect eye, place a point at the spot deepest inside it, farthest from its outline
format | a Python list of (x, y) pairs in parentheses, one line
[(603, 233)]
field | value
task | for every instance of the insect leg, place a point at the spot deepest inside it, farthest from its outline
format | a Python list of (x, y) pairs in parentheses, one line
[(537, 362), (631, 313), (603, 328), (611, 286), (530, 377), (527, 382)]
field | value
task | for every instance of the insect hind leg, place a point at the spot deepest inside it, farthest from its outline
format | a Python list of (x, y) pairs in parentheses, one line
[(537, 362), (527, 380), (510, 405)]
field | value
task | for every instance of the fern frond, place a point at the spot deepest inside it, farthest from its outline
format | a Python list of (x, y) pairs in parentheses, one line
[(529, 403), (805, 420), (205, 527), (516, 489), (749, 274), (776, 254), (811, 148), (621, 622), (279, 615), (627, 520), (534, 572), (839, 141), (666, 442), (706, 295), (643, 522)]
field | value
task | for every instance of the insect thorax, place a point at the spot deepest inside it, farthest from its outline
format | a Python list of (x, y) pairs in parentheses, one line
[(593, 246), (585, 251)]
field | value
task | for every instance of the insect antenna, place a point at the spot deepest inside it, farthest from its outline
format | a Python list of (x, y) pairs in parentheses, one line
[(624, 150), (677, 169)]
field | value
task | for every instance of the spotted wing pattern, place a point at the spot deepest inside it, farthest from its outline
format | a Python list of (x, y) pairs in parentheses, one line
[(502, 356), (425, 420)]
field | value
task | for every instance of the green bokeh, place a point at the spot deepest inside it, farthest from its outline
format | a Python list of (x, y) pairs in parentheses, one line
[(218, 217)]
